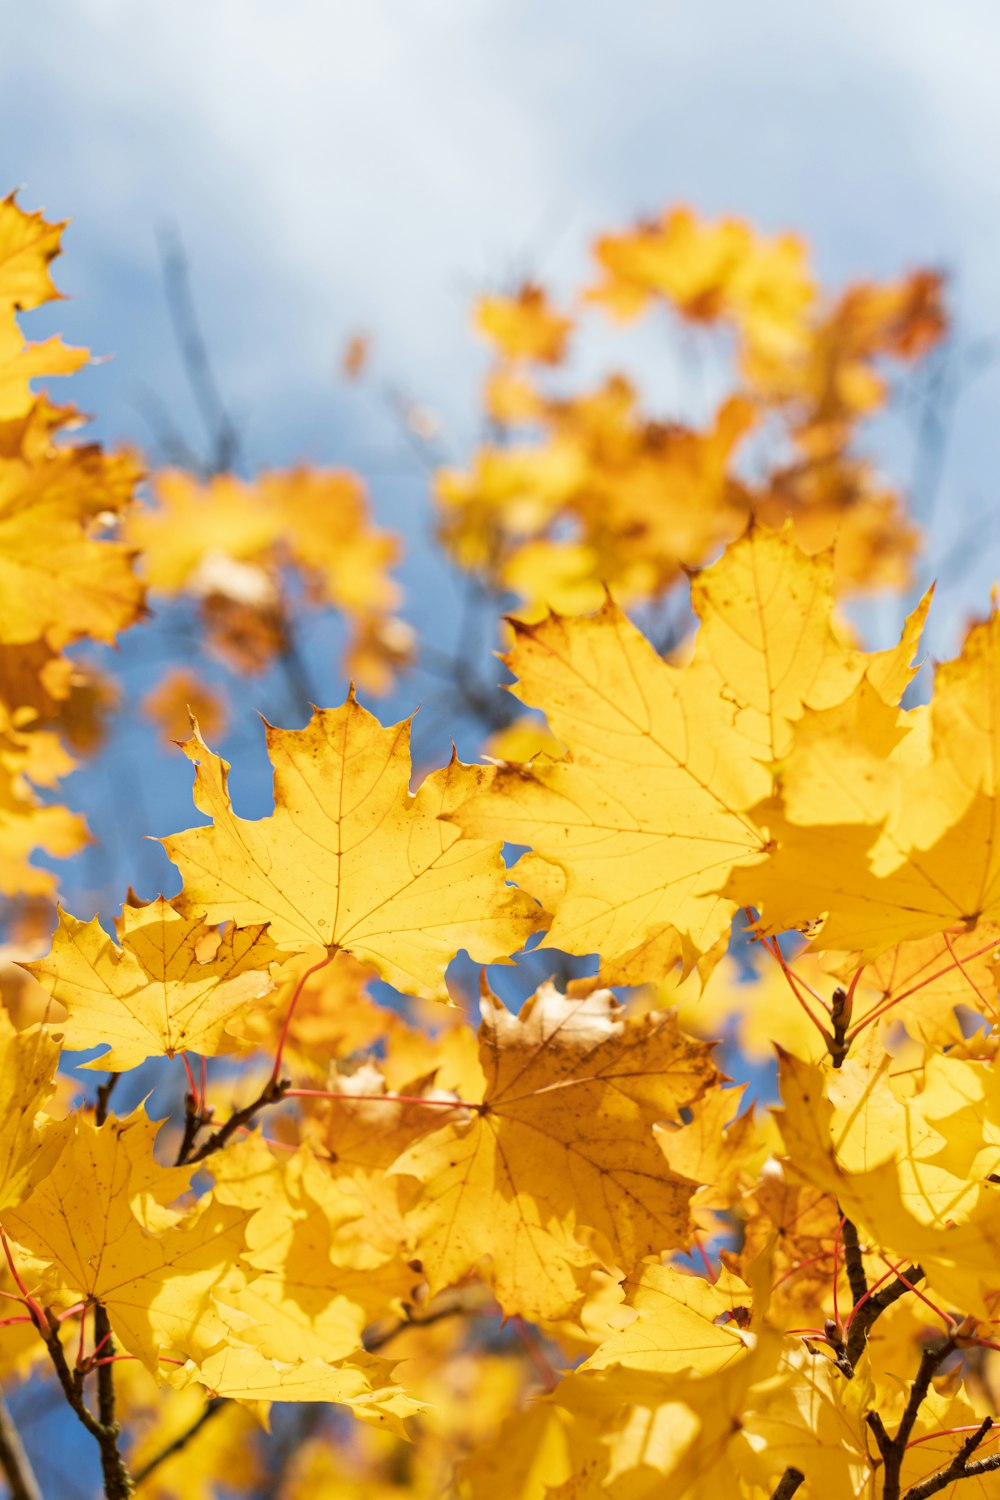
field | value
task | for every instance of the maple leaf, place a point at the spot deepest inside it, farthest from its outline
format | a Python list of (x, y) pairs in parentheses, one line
[(171, 987), (98, 1213), (57, 578), (711, 272), (886, 823), (560, 1143), (683, 1322), (650, 813), (931, 1198), (28, 1061), (180, 696), (244, 1374), (324, 1269), (28, 244), (524, 326), (350, 859)]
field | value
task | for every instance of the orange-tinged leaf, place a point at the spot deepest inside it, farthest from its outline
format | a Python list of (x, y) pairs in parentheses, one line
[(180, 695), (350, 859), (524, 326), (159, 993), (560, 1144)]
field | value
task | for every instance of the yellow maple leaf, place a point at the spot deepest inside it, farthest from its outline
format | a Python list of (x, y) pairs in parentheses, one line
[(244, 1374), (648, 811), (912, 1170), (559, 1144), (683, 1322), (350, 859), (58, 577), (886, 822), (326, 1272), (171, 987), (710, 272), (99, 1215), (651, 810), (28, 1061), (28, 244), (524, 326)]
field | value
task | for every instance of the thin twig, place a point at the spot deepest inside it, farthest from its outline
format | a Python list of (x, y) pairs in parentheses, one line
[(117, 1481), (14, 1461), (960, 1467), (215, 1405), (272, 1093), (223, 437)]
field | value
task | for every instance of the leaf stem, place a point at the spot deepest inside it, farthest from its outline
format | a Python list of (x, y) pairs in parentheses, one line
[(331, 954)]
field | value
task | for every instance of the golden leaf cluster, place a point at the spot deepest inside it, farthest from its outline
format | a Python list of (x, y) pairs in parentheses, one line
[(555, 1253)]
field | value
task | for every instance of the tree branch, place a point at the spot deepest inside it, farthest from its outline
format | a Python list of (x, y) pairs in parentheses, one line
[(876, 1305), (951, 1475), (893, 1450), (788, 1484), (14, 1461), (272, 1093), (853, 1262), (220, 429), (117, 1481), (181, 1441)]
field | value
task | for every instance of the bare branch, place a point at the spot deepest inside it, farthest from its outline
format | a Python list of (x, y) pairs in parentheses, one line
[(14, 1461), (788, 1484), (215, 1405), (223, 437), (272, 1093)]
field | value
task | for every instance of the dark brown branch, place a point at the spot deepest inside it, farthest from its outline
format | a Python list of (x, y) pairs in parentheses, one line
[(788, 1484), (853, 1263), (117, 1481), (104, 1344), (104, 1093), (952, 1475), (272, 1093), (473, 1300), (181, 1441), (876, 1305), (14, 1461), (893, 1450)]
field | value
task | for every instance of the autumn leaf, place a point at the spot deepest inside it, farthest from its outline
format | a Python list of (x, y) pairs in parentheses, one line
[(58, 577), (171, 987), (350, 859), (100, 1216), (651, 812), (524, 326), (559, 1143), (28, 1061), (682, 1322), (243, 1374), (180, 695)]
